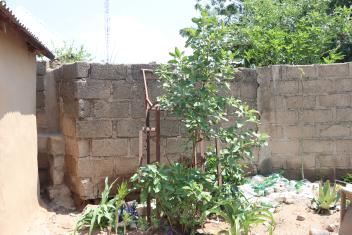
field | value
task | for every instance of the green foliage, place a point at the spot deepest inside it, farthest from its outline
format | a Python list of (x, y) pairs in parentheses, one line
[(326, 198), (142, 224), (71, 54), (269, 32), (182, 194), (241, 215), (347, 178), (197, 89), (105, 215)]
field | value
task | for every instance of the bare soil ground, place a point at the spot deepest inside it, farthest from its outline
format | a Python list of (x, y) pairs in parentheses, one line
[(286, 221), (58, 221)]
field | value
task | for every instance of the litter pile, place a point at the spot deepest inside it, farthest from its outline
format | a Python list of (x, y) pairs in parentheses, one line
[(275, 189)]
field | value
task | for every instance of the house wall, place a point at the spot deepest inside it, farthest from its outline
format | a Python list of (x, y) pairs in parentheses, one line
[(18, 134), (306, 111)]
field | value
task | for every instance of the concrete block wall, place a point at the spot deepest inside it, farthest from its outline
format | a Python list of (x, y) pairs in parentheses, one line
[(307, 111), (101, 113), (51, 143)]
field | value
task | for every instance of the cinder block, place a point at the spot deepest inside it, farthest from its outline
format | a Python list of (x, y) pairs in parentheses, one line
[(318, 146), (56, 145), (68, 126), (92, 89), (333, 70), (343, 84), (169, 128), (128, 127), (67, 90), (278, 162), (273, 130), (344, 146), (56, 176), (133, 147), (317, 115), (125, 166), (77, 148), (300, 102), (86, 190), (290, 147), (284, 87), (94, 128), (122, 90), (42, 122), (334, 130), (109, 147), (137, 108), (57, 162), (84, 108), (246, 74), (288, 117), (43, 161), (297, 72), (331, 161), (136, 71), (95, 167), (248, 90), (344, 115), (58, 73), (138, 90), (318, 86), (264, 74), (115, 109), (41, 67), (42, 143), (76, 70), (40, 100), (307, 131), (108, 71), (155, 90), (77, 108), (40, 83), (177, 145), (335, 100)]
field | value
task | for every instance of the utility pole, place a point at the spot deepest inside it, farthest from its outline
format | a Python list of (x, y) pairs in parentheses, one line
[(107, 30)]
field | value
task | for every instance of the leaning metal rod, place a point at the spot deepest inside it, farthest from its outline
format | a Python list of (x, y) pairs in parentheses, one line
[(147, 124)]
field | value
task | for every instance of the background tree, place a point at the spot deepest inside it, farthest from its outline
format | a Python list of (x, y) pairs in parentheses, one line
[(71, 53), (265, 32)]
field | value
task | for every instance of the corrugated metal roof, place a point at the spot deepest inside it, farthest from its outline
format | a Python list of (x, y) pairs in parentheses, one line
[(7, 15)]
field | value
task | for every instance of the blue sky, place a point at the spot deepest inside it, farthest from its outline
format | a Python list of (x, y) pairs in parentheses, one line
[(142, 31)]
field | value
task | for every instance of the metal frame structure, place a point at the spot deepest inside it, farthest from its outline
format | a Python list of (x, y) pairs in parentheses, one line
[(148, 130)]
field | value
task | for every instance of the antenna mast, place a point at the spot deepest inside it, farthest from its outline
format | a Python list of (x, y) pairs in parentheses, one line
[(107, 30)]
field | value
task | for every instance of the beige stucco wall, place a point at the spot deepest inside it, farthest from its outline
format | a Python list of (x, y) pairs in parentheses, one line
[(18, 134)]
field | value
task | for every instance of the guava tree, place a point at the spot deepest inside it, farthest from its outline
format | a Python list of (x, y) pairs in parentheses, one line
[(197, 89)]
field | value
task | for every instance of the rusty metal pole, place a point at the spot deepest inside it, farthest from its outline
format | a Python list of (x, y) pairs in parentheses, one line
[(218, 165), (147, 124), (157, 131)]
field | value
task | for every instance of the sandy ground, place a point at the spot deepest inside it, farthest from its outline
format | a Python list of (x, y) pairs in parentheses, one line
[(58, 221), (286, 221)]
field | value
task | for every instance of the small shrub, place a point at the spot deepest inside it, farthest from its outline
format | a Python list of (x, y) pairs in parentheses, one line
[(326, 199), (71, 54), (105, 215), (182, 194), (241, 216)]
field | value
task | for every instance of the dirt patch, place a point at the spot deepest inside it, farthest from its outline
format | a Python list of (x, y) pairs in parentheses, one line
[(57, 221)]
